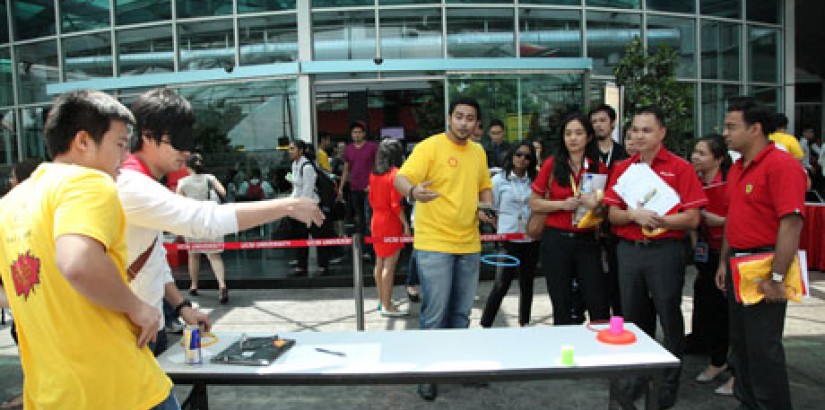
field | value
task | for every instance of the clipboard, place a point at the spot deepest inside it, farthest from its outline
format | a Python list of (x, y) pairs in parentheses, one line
[(254, 351), (749, 270)]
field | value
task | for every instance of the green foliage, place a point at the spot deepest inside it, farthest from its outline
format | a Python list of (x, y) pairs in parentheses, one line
[(650, 79)]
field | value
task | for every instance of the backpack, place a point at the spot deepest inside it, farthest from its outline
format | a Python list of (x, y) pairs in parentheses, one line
[(324, 188), (255, 192)]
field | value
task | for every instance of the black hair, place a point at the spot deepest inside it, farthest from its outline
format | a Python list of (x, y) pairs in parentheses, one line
[(306, 150), (654, 111), (606, 108), (780, 120), (532, 158), (358, 124), (82, 110), (718, 148), (465, 101), (496, 122), (390, 155), (162, 111), (23, 169), (753, 112), (561, 158), (195, 161)]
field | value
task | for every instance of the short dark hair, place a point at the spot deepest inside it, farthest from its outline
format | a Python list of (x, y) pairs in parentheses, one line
[(780, 120), (162, 111), (465, 101), (195, 162), (23, 169), (496, 122), (654, 111), (82, 110), (606, 108), (753, 112)]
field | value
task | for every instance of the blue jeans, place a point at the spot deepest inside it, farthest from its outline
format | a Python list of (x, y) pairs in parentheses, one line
[(448, 285), (171, 403)]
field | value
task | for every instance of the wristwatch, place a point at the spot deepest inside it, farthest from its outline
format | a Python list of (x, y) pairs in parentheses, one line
[(181, 305), (777, 277)]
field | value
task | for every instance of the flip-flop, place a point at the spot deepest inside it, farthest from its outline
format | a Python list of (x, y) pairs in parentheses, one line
[(13, 403)]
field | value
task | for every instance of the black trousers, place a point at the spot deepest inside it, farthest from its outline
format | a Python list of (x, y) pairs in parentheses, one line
[(710, 312), (655, 272), (326, 230), (609, 243), (757, 354), (565, 256), (528, 254)]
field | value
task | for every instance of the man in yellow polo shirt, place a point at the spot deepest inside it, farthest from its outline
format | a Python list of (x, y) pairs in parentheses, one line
[(447, 174), (82, 330)]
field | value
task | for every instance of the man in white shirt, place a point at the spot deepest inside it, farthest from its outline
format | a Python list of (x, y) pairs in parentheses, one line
[(161, 143)]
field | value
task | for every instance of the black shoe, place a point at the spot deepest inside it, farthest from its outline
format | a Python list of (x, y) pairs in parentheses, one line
[(414, 297), (224, 296), (427, 391), (193, 292)]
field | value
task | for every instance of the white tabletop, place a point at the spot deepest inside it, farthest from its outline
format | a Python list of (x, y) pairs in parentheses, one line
[(415, 355)]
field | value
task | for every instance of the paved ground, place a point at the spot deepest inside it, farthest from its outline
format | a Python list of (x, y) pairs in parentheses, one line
[(318, 310)]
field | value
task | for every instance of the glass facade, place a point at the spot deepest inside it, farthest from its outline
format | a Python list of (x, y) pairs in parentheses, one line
[(245, 65)]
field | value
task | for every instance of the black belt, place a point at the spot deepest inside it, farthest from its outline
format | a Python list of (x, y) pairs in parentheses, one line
[(647, 242), (574, 234), (761, 249)]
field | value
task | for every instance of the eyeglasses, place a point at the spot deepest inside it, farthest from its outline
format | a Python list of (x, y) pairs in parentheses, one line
[(525, 155)]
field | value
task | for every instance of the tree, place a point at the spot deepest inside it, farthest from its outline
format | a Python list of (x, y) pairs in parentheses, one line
[(650, 79)]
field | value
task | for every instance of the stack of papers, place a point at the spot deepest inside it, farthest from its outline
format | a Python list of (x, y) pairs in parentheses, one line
[(641, 187), (750, 269)]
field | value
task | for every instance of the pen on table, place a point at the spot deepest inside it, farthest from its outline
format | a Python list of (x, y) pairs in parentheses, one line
[(332, 352)]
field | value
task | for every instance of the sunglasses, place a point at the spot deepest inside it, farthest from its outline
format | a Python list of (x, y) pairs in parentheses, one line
[(525, 155), (179, 144)]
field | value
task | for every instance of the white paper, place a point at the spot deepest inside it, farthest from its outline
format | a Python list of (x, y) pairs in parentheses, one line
[(803, 272), (639, 186)]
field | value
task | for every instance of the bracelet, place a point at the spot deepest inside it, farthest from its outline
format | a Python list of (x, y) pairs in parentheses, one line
[(410, 195), (181, 305)]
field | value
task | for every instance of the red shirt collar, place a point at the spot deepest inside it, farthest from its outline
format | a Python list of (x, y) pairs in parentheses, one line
[(134, 163), (771, 147), (662, 155)]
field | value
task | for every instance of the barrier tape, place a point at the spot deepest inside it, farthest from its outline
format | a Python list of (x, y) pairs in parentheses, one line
[(303, 243)]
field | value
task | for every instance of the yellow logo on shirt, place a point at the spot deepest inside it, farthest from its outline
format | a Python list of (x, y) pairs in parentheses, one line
[(748, 188)]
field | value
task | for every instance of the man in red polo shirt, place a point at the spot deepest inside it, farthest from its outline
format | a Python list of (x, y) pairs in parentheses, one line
[(652, 268), (767, 192)]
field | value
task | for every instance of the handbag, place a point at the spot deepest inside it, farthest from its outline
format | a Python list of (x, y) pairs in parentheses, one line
[(535, 224)]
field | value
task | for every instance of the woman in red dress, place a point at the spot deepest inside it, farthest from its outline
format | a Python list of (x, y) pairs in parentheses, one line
[(388, 220)]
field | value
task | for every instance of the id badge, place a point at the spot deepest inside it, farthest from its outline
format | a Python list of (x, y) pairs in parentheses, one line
[(522, 227), (701, 252)]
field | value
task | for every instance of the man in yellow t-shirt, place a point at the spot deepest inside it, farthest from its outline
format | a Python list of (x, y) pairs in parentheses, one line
[(447, 174), (82, 330), (784, 141), (324, 139)]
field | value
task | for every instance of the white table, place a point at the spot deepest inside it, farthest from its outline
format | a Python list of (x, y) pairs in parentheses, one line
[(429, 356)]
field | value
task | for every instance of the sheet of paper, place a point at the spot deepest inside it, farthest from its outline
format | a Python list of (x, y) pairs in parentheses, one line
[(640, 186)]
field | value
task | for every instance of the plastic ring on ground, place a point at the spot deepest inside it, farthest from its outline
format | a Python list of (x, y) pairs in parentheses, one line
[(500, 259)]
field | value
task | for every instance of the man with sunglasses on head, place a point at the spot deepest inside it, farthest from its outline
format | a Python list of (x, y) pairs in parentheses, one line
[(161, 143)]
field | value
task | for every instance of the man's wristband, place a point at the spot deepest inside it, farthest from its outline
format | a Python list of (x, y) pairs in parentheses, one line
[(181, 305), (410, 195)]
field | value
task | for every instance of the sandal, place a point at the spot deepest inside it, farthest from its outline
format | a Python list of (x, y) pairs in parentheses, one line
[(15, 402)]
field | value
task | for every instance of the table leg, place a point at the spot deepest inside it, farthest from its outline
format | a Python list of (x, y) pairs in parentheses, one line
[(198, 398), (617, 397), (652, 398)]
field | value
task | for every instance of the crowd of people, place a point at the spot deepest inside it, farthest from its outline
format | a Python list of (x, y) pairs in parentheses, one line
[(82, 239)]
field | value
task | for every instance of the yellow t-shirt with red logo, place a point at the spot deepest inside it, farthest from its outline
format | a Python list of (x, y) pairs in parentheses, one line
[(449, 223), (787, 143), (75, 353)]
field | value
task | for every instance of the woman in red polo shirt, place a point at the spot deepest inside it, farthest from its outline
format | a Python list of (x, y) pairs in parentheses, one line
[(710, 307), (566, 250)]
